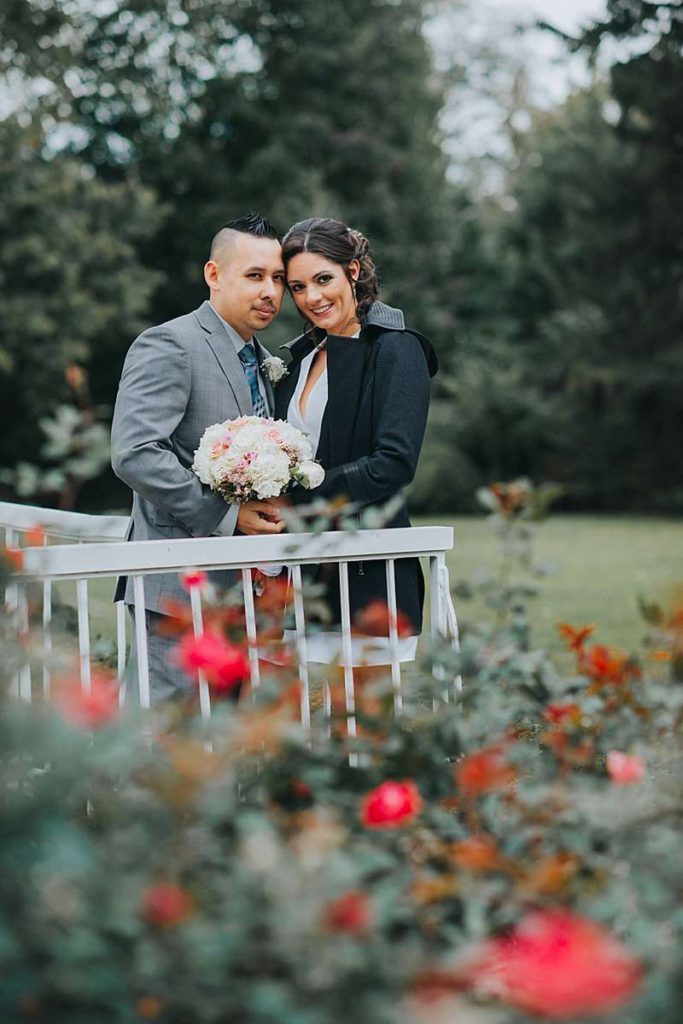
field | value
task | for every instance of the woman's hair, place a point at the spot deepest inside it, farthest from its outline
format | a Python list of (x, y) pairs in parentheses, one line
[(341, 244)]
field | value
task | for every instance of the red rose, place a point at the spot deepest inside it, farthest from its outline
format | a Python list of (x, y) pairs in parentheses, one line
[(87, 709), (391, 805), (224, 663), (625, 769), (351, 913), (484, 771), (556, 964), (194, 578), (166, 905)]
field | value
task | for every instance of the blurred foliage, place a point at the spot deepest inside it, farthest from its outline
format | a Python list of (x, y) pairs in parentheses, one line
[(555, 304), (72, 283), (144, 876), (76, 449)]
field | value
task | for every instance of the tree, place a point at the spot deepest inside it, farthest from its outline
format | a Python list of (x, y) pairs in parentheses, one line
[(73, 288)]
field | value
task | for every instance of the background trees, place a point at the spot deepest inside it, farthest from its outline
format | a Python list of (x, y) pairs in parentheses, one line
[(554, 301)]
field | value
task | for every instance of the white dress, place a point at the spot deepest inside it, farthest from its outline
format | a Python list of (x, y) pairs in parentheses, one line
[(325, 647)]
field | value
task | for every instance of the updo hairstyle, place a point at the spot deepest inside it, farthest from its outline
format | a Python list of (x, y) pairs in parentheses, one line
[(339, 243)]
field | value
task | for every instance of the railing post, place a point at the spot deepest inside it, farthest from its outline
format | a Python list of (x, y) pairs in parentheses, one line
[(347, 656), (250, 621)]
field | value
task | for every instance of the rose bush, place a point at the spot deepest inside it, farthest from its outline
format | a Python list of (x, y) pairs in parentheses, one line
[(480, 864)]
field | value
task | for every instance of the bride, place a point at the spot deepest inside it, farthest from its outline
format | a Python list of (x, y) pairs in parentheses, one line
[(358, 385)]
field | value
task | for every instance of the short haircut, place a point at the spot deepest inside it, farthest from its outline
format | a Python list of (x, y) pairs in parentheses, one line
[(250, 224)]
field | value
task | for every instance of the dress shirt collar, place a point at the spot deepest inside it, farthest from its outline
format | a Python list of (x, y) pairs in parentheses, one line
[(237, 340)]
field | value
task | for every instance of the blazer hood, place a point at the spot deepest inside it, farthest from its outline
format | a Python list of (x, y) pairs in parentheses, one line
[(378, 319)]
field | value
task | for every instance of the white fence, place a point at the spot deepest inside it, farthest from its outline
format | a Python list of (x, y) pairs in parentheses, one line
[(83, 562)]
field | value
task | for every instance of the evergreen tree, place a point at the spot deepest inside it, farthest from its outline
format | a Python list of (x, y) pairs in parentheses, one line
[(73, 289)]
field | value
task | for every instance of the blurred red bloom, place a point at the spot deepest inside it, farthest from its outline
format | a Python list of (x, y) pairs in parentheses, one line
[(224, 663), (15, 558), (556, 964), (375, 620), (194, 578), (575, 638), (391, 805), (166, 905), (562, 714), (606, 665), (351, 913), (87, 709), (484, 771), (35, 537), (625, 769)]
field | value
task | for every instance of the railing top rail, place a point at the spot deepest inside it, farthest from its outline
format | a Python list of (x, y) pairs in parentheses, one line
[(155, 556), (58, 523)]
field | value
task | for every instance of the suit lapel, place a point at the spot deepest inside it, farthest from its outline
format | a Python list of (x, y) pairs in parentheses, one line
[(228, 360)]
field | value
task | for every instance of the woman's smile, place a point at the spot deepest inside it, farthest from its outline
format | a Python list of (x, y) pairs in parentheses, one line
[(323, 292)]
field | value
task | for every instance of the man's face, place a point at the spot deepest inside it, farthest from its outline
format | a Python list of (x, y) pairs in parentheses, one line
[(247, 283)]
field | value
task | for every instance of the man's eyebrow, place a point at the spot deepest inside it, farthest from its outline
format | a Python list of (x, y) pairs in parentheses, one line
[(263, 270)]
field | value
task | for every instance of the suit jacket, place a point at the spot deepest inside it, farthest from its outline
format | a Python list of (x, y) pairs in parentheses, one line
[(370, 438), (178, 379)]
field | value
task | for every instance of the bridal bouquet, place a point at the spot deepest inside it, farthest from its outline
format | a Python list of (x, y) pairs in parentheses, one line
[(253, 458)]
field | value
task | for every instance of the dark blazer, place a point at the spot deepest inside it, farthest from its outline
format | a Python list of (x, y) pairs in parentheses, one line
[(370, 440)]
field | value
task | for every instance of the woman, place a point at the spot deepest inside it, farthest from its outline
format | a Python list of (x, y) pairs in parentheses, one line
[(358, 385)]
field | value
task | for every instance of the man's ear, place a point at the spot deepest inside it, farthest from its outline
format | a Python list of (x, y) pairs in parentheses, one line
[(211, 273), (354, 269)]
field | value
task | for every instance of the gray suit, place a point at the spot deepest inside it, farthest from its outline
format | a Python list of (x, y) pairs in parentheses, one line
[(178, 379)]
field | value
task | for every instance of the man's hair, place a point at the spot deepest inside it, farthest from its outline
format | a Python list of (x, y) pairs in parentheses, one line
[(253, 224), (250, 224)]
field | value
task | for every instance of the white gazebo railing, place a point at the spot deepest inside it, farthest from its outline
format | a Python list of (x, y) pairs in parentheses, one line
[(84, 562)]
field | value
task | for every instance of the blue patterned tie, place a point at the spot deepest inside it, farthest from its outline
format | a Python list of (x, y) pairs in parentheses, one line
[(250, 363)]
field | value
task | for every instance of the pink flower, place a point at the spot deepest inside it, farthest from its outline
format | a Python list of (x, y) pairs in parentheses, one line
[(625, 769), (87, 709), (224, 663), (166, 905), (556, 964), (391, 805), (193, 578)]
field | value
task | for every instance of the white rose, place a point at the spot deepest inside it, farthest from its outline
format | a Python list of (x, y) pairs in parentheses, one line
[(269, 473), (310, 474)]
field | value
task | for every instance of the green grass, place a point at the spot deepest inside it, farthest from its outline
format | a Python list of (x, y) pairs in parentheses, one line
[(603, 563)]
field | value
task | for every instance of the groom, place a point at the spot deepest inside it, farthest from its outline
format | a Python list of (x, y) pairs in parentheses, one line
[(178, 379)]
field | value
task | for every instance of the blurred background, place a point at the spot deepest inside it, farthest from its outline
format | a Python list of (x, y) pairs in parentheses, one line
[(515, 163)]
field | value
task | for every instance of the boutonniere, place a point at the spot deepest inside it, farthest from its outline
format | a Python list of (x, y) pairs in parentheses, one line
[(274, 368)]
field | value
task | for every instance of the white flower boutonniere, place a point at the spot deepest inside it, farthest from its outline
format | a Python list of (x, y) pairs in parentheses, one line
[(274, 368)]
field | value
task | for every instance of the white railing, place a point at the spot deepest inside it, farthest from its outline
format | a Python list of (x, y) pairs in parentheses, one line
[(88, 561)]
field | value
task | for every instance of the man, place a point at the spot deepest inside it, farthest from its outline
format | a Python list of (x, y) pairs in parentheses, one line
[(178, 379)]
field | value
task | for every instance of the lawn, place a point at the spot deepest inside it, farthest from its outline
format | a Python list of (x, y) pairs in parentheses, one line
[(603, 563)]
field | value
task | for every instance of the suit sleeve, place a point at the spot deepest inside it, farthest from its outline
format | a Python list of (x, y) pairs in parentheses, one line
[(400, 406), (151, 402)]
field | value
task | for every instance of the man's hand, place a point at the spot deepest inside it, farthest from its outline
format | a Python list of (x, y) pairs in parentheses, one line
[(259, 517), (283, 501)]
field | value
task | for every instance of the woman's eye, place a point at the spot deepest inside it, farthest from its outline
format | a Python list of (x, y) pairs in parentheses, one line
[(324, 278), (295, 287)]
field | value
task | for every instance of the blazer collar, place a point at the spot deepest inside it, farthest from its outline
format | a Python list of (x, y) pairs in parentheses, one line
[(379, 315)]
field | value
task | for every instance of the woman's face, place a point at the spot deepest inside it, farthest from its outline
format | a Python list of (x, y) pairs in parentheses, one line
[(323, 293)]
